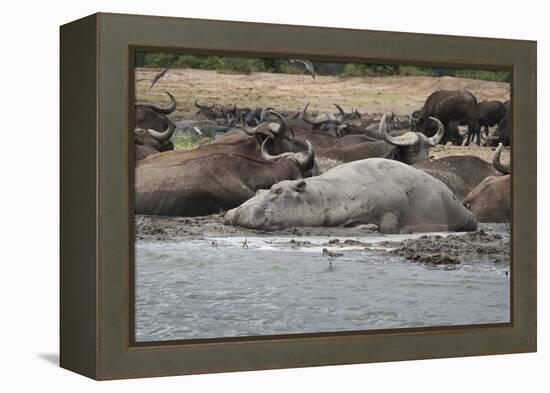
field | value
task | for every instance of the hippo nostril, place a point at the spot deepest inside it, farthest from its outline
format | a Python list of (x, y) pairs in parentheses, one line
[(258, 214)]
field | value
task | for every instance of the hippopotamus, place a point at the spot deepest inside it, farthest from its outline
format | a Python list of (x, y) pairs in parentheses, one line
[(392, 195)]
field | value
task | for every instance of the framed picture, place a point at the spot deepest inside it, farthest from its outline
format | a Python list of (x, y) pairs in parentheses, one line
[(241, 196)]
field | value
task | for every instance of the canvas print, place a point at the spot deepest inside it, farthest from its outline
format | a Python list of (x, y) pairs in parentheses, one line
[(282, 196)]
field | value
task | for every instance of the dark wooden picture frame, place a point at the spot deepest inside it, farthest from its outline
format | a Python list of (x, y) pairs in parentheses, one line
[(97, 206)]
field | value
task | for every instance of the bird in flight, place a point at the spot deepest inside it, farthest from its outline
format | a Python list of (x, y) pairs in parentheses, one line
[(306, 63), (163, 72)]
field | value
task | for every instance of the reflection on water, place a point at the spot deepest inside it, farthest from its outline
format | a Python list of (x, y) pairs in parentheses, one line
[(215, 288)]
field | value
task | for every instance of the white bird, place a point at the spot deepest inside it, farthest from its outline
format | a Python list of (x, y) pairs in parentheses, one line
[(198, 131), (306, 63)]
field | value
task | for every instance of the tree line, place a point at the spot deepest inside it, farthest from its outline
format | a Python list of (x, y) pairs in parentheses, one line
[(247, 65)]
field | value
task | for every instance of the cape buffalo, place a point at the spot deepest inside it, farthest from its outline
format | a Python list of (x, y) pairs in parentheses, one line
[(490, 113), (410, 148), (318, 138), (447, 106), (503, 132), (325, 121), (149, 141), (208, 112), (460, 173), (152, 128), (217, 177), (490, 200), (369, 125), (390, 194), (149, 116)]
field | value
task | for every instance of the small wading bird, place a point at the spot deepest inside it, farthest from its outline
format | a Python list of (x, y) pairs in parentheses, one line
[(306, 63), (331, 255), (163, 72)]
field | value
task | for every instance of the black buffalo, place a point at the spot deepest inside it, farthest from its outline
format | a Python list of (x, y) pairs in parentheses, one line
[(152, 128), (448, 106), (490, 113), (222, 175), (503, 132)]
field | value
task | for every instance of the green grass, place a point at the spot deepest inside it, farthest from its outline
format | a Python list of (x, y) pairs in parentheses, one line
[(185, 142)]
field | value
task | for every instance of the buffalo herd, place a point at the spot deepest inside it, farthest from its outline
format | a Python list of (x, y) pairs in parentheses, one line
[(275, 169)]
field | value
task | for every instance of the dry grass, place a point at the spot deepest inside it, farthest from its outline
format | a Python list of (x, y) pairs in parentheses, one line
[(485, 153), (400, 94)]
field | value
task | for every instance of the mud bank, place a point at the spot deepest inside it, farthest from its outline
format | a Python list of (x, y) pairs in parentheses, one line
[(158, 228), (484, 245), (480, 246)]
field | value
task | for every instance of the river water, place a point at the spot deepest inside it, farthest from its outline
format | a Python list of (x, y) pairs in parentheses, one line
[(200, 289)]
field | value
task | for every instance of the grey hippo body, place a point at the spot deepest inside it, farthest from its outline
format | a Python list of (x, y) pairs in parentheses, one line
[(390, 194)]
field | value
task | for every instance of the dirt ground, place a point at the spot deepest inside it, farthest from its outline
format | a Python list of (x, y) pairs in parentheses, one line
[(399, 94)]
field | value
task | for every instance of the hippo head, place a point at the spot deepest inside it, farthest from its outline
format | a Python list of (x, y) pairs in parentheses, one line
[(288, 203), (413, 147)]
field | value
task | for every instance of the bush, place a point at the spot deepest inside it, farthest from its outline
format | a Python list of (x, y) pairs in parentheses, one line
[(241, 65), (357, 69), (497, 76), (416, 71)]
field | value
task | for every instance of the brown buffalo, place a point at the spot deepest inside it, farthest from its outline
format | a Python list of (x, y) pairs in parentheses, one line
[(460, 173), (410, 148), (221, 176), (490, 200)]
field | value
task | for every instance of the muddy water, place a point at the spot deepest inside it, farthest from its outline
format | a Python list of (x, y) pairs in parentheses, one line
[(213, 287)]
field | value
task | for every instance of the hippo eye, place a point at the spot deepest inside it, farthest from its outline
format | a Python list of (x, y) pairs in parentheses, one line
[(277, 190), (300, 186)]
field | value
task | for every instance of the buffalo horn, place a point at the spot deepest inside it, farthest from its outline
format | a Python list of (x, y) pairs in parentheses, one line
[(164, 135), (505, 169), (434, 140), (283, 125), (342, 113), (408, 139), (165, 111), (308, 119), (306, 163)]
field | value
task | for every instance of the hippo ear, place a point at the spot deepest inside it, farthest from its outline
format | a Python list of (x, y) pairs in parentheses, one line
[(300, 186)]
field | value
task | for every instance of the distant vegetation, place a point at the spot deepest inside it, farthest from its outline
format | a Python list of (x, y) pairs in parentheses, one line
[(247, 65)]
